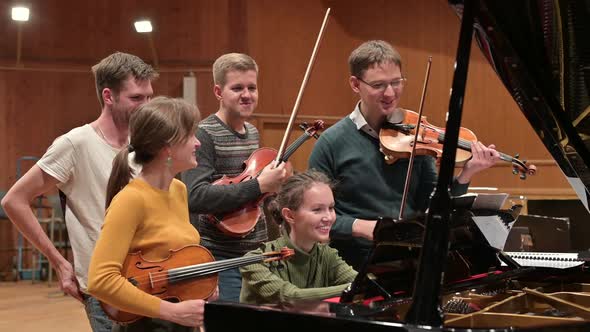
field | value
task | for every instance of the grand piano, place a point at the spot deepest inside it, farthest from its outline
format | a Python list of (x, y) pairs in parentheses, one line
[(414, 279)]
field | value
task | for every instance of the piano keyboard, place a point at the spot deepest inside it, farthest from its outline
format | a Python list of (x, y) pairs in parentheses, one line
[(554, 260)]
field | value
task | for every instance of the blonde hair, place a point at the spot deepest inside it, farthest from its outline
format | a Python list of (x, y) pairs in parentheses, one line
[(229, 62), (370, 53), (111, 71), (162, 121)]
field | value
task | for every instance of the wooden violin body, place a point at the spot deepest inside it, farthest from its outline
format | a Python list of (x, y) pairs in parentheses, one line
[(396, 142), (188, 273), (153, 277), (398, 145), (240, 222)]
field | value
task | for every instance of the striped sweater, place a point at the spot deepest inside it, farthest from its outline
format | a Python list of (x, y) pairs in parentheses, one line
[(223, 152)]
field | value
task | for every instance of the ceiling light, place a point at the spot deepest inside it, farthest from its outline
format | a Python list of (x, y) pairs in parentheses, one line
[(143, 26), (20, 13)]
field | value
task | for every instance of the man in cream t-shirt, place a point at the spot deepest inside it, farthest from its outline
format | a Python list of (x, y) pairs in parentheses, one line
[(79, 163), (72, 160)]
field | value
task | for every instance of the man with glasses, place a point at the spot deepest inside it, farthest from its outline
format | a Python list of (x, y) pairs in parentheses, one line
[(348, 152)]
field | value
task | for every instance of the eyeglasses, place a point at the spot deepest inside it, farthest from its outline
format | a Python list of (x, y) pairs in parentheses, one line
[(396, 84)]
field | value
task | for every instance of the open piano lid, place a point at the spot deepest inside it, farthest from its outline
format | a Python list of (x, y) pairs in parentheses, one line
[(541, 52)]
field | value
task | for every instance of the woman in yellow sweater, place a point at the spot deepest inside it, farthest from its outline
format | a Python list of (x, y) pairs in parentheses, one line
[(305, 206), (148, 214)]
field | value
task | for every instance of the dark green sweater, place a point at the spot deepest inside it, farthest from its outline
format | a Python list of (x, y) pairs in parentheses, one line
[(316, 275), (367, 187)]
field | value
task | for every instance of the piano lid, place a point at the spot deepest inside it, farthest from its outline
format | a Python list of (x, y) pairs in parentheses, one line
[(541, 52)]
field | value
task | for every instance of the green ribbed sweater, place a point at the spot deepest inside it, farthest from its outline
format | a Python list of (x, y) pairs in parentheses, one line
[(316, 275)]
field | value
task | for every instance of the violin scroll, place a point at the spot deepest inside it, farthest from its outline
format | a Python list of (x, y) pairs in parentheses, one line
[(522, 168), (312, 131), (284, 253)]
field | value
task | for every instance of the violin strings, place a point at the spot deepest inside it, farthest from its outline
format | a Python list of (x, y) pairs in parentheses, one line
[(223, 263), (200, 269), (290, 149), (204, 266), (210, 270), (464, 144), (166, 272)]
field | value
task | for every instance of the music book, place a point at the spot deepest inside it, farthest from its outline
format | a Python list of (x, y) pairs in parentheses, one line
[(475, 201), (489, 201), (492, 226), (554, 260), (493, 229)]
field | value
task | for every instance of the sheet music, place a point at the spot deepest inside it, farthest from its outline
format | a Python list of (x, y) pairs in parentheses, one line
[(554, 260), (494, 230), (489, 201), (580, 189)]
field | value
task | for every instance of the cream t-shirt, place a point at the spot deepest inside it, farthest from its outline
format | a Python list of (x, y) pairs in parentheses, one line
[(81, 161)]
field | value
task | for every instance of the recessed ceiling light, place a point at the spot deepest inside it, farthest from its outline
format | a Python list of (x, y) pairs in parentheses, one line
[(143, 26), (20, 13)]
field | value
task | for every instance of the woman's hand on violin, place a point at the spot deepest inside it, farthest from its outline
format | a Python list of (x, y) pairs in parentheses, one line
[(271, 177), (482, 157), (215, 295), (187, 313)]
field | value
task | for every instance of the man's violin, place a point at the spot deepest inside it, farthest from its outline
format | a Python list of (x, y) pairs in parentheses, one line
[(397, 140), (188, 273), (241, 222)]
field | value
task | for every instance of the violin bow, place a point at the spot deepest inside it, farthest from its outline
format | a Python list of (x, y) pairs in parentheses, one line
[(411, 162), (302, 88)]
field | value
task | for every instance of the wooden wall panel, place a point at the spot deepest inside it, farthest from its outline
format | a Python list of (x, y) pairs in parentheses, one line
[(52, 91), (417, 29), (189, 35), (36, 108), (170, 84), (39, 106), (68, 31)]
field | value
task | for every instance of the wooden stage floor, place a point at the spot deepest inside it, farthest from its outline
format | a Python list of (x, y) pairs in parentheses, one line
[(26, 307)]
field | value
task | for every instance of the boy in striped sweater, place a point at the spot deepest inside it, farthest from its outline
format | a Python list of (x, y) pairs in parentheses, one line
[(227, 140)]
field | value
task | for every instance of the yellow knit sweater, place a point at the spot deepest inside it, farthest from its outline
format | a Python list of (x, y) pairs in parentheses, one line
[(140, 218)]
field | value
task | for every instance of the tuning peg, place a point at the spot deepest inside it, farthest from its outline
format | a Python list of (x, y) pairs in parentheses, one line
[(523, 176), (517, 155), (514, 171)]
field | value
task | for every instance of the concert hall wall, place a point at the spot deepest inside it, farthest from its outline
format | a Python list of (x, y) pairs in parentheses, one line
[(51, 89)]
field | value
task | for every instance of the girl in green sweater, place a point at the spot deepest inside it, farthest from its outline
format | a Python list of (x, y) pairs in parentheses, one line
[(305, 208)]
